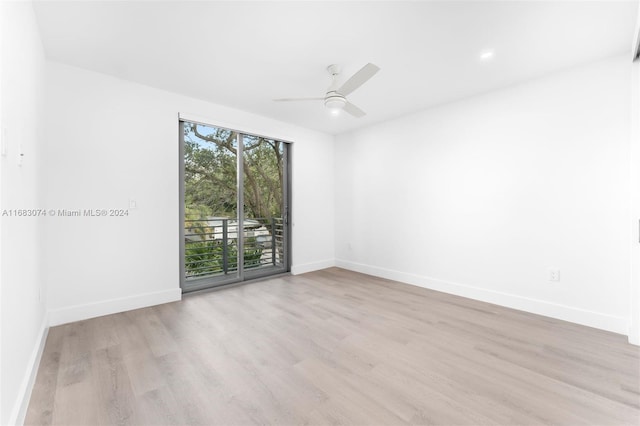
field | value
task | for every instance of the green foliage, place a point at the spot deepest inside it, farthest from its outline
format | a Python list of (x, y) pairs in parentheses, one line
[(207, 256), (211, 172), (195, 221), (252, 253), (203, 257)]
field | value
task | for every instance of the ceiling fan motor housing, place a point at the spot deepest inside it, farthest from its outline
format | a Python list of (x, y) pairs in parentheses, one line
[(334, 100)]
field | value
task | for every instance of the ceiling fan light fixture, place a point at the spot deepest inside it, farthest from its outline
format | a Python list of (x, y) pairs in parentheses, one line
[(487, 55), (335, 102)]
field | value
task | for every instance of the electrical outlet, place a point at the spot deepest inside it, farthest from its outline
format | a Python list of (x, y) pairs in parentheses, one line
[(554, 274)]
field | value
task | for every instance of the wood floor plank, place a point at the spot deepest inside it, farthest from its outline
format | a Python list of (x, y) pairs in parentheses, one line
[(75, 377), (112, 395), (333, 347), (44, 391), (344, 394)]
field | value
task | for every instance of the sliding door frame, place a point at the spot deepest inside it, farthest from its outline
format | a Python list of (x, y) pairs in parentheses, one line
[(287, 192)]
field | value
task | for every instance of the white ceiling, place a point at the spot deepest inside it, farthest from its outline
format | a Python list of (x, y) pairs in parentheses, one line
[(244, 54)]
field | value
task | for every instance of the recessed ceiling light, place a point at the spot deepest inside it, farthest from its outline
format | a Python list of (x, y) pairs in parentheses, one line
[(487, 55)]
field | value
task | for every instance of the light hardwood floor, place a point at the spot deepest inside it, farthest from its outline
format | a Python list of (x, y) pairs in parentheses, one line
[(333, 347)]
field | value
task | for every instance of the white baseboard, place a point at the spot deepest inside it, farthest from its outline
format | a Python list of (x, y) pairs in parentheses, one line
[(19, 411), (567, 313), (313, 266), (634, 335), (113, 306)]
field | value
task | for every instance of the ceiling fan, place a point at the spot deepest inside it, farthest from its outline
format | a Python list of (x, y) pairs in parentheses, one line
[(335, 98)]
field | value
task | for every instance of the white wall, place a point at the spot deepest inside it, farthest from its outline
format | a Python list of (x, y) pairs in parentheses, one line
[(109, 140), (22, 315), (481, 197), (634, 158)]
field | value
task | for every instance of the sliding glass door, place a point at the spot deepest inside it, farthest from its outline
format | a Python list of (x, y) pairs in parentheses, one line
[(234, 206)]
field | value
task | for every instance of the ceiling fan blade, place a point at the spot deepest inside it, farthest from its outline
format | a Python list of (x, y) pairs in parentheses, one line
[(358, 79), (297, 99), (354, 110)]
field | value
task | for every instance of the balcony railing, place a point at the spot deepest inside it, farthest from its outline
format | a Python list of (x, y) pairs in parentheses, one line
[(211, 245)]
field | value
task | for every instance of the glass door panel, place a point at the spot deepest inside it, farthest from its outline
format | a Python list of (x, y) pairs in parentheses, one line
[(264, 206), (210, 205)]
